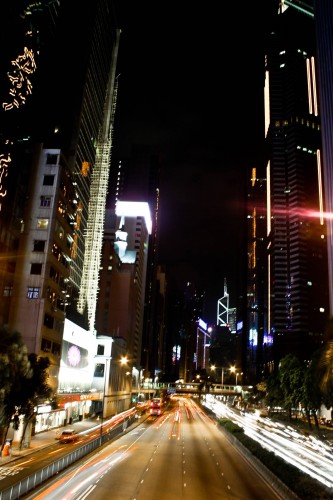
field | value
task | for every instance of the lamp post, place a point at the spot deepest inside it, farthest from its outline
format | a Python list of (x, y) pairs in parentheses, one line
[(106, 382), (222, 377), (233, 370), (213, 368), (237, 376), (127, 376)]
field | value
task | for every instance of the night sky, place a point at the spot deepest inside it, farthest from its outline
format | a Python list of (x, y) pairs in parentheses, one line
[(191, 82)]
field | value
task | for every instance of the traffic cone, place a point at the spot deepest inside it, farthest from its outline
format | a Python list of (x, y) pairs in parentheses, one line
[(5, 451)]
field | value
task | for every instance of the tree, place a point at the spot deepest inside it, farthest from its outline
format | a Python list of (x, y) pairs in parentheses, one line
[(323, 367), (325, 362), (274, 395), (14, 365), (311, 395), (23, 380), (291, 374), (284, 388), (33, 390)]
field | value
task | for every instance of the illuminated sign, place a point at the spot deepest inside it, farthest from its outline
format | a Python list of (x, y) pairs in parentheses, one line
[(74, 356), (135, 209), (202, 324)]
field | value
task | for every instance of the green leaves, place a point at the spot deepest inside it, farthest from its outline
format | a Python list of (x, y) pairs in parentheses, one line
[(23, 377)]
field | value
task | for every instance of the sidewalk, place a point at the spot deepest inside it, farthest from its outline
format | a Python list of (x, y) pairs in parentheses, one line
[(44, 439)]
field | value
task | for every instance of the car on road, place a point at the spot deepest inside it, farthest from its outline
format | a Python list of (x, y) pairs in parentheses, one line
[(68, 436)]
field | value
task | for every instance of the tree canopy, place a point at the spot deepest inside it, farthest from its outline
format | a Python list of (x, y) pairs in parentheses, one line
[(23, 377)]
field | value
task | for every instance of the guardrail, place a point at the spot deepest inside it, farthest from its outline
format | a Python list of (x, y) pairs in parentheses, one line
[(29, 483)]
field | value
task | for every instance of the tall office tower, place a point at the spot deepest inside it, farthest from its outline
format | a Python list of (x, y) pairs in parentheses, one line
[(91, 143), (223, 307), (160, 321), (184, 307), (257, 344), (24, 36), (123, 275), (137, 178), (297, 263), (324, 28), (57, 135), (232, 316)]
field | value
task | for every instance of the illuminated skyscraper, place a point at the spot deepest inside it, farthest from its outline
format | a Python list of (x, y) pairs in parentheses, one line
[(256, 343), (123, 275), (296, 229), (56, 137), (137, 178), (324, 27)]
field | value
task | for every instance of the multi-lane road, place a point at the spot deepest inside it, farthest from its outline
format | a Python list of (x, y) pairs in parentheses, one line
[(181, 454), (310, 454)]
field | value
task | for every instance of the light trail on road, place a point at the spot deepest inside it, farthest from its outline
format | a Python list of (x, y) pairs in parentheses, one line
[(311, 455)]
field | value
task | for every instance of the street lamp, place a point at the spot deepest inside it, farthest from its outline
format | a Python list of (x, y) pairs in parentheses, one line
[(127, 378), (237, 376), (213, 368), (105, 386), (233, 370), (123, 360)]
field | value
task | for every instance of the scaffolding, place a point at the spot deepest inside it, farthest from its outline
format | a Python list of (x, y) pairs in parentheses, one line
[(97, 200)]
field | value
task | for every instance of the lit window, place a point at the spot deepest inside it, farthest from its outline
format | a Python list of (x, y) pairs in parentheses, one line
[(32, 292), (42, 223), (45, 201), (85, 168), (7, 291)]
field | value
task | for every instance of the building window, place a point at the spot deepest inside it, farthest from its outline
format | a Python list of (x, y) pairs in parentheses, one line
[(85, 168), (33, 292), (39, 245), (48, 320), (7, 291), (45, 201), (48, 180), (46, 345), (42, 223), (36, 268), (100, 350), (51, 159), (99, 370), (56, 348), (10, 267)]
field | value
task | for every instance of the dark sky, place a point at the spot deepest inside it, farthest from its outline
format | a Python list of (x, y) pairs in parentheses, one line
[(191, 82)]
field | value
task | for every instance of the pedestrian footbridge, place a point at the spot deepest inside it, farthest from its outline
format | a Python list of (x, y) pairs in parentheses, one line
[(199, 388)]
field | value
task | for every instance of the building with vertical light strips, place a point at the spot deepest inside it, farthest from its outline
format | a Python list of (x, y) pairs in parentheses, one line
[(296, 229), (324, 28)]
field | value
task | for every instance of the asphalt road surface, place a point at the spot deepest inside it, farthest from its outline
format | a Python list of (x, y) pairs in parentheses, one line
[(180, 454)]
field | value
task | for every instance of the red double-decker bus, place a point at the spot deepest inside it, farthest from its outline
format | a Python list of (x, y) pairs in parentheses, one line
[(156, 406)]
